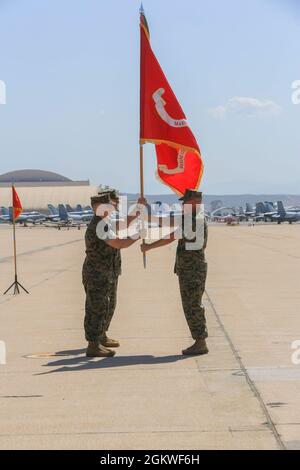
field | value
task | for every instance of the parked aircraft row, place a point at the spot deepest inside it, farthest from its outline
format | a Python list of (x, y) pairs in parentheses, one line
[(264, 211), (63, 215), (31, 217)]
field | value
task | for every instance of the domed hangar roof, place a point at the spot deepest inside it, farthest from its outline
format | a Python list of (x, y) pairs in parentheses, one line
[(32, 176)]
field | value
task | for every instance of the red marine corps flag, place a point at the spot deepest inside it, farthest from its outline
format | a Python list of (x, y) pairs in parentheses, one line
[(17, 206), (163, 123)]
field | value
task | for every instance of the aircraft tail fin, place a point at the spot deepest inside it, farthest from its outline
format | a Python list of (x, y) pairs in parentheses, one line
[(69, 208), (248, 207), (269, 206), (281, 209), (79, 208), (62, 211), (260, 208), (4, 211), (52, 209)]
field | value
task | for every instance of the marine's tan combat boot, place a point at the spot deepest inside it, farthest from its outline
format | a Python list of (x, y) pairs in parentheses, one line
[(109, 343), (198, 349), (97, 350)]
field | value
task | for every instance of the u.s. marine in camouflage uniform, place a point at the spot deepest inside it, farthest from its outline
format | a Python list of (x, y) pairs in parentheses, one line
[(101, 269), (191, 268)]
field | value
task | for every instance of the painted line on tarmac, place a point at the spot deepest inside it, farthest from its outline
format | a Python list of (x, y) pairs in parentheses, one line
[(40, 282), (250, 382), (40, 250)]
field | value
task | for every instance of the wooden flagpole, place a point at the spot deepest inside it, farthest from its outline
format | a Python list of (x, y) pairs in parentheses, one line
[(15, 245), (16, 283), (142, 191)]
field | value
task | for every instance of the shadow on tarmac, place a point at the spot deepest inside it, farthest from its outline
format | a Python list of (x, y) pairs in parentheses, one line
[(80, 362)]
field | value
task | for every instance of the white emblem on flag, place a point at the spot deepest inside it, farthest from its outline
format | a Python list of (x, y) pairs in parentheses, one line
[(160, 108), (178, 169)]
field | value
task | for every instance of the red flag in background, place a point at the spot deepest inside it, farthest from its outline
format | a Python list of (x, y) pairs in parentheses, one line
[(17, 206), (163, 122)]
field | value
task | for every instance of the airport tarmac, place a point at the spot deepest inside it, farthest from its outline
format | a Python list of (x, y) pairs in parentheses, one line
[(244, 395)]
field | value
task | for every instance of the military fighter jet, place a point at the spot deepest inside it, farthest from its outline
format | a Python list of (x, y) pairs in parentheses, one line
[(285, 216)]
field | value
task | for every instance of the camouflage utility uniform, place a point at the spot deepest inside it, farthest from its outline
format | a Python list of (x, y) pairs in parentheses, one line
[(191, 268), (101, 269)]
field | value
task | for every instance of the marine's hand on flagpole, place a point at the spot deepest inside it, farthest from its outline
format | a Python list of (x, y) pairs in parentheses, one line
[(144, 247)]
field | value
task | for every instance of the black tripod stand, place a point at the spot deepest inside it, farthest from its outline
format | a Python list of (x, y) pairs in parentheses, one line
[(15, 285)]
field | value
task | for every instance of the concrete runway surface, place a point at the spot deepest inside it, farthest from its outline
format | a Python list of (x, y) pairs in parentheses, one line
[(244, 395)]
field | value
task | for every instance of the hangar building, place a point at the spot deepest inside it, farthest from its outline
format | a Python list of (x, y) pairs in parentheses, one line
[(38, 188)]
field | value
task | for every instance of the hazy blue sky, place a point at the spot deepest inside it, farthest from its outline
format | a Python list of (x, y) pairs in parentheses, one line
[(71, 69)]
